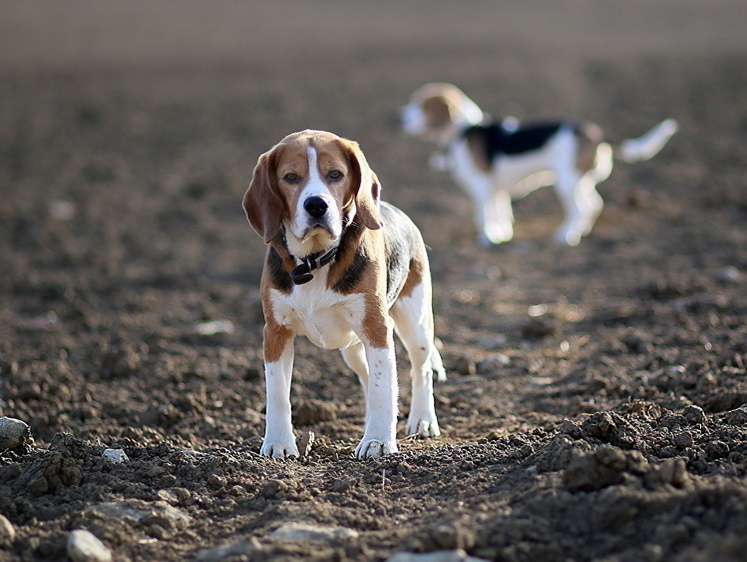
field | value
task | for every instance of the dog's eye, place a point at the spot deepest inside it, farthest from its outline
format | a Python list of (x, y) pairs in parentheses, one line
[(335, 175), (291, 178)]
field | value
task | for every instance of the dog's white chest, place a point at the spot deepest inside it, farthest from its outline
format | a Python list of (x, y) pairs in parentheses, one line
[(329, 320)]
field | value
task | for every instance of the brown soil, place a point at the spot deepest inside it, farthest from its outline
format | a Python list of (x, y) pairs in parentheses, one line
[(596, 401)]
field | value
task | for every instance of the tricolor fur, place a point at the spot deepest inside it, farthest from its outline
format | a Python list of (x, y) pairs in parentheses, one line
[(496, 162), (313, 194)]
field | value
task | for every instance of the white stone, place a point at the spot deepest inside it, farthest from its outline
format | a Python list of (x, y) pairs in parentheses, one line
[(313, 533), (13, 433), (440, 556), (83, 546), (7, 531), (137, 510), (240, 548), (213, 327), (115, 455)]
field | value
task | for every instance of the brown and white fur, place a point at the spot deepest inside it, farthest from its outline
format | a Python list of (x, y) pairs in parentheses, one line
[(572, 157), (312, 196)]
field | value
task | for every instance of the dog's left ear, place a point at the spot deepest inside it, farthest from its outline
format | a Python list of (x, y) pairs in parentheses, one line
[(367, 190), (262, 203)]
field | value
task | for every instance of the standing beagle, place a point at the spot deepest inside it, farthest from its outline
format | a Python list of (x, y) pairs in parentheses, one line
[(345, 270), (496, 162)]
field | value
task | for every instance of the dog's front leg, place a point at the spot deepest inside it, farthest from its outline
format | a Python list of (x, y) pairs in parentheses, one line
[(279, 439), (380, 436)]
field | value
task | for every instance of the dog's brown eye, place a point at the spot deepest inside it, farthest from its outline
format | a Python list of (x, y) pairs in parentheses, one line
[(335, 175), (291, 178)]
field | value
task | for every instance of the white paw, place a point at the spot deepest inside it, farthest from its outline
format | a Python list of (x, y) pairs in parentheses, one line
[(374, 448), (569, 238), (279, 449), (495, 236), (423, 428)]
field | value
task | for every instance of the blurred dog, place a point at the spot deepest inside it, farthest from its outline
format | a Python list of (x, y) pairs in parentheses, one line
[(345, 270), (496, 162)]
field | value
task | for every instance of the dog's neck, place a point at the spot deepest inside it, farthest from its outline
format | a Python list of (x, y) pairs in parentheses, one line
[(468, 116), (299, 268), (302, 272)]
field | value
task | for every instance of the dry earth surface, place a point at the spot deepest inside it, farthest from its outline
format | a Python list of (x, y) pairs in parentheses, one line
[(596, 405)]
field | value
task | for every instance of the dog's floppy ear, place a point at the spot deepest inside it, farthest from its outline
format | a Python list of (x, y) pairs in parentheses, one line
[(440, 110), (366, 188), (262, 203)]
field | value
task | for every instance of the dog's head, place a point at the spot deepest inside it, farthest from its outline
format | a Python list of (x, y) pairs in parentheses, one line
[(436, 111), (313, 183)]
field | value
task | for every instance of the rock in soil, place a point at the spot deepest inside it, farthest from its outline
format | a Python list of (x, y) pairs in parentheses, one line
[(14, 433), (83, 546), (7, 531)]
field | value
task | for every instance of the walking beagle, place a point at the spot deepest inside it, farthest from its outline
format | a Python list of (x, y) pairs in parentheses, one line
[(345, 270), (496, 162)]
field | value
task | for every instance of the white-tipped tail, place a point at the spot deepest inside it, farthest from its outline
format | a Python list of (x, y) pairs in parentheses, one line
[(649, 144)]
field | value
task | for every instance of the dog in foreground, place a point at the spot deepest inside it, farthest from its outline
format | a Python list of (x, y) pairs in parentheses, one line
[(496, 162), (346, 270)]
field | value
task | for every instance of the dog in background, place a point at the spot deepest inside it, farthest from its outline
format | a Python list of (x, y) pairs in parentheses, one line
[(346, 270), (496, 162)]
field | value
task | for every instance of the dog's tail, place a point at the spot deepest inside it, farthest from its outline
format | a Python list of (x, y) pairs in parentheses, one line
[(648, 145)]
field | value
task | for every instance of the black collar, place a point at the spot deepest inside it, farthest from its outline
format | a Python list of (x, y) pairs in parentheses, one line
[(302, 273)]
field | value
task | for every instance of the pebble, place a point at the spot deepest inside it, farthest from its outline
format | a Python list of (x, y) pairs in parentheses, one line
[(7, 531), (694, 414), (14, 433), (115, 455), (730, 274), (138, 510), (457, 555), (83, 546), (242, 548), (313, 533), (213, 327)]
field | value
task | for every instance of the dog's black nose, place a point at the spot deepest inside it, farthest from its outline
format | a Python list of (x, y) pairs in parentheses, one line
[(315, 206)]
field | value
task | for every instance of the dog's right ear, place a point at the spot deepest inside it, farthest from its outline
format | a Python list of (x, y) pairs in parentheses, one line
[(262, 203), (439, 110)]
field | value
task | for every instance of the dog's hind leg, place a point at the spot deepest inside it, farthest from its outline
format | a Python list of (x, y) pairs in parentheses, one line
[(582, 206), (355, 358), (413, 320)]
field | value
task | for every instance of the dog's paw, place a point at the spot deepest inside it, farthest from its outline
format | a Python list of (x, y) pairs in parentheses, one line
[(495, 234), (423, 428), (374, 448), (279, 450), (567, 237)]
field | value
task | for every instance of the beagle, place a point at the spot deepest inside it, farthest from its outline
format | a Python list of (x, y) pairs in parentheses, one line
[(496, 162), (345, 270)]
